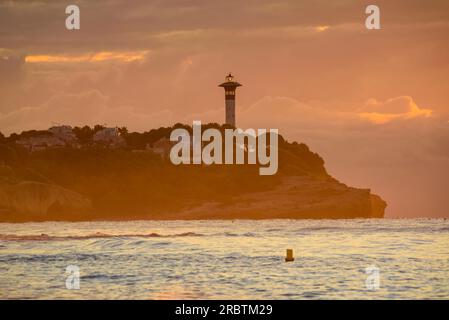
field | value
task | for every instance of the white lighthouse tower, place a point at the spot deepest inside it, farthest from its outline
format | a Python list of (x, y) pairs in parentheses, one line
[(230, 86)]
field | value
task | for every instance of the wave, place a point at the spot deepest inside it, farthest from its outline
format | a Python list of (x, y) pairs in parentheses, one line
[(231, 234), (375, 229), (259, 233), (97, 235)]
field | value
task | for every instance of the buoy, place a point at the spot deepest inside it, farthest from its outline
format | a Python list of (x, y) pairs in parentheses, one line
[(289, 257)]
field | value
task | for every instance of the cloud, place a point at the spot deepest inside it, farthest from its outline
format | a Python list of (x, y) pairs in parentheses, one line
[(86, 108), (321, 28), (12, 77), (123, 56), (392, 109)]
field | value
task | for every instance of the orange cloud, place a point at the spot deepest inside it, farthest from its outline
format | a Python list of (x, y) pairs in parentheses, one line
[(392, 109), (123, 56), (321, 28)]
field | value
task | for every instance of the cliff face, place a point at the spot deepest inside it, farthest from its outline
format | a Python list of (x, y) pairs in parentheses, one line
[(299, 197), (35, 201), (119, 184)]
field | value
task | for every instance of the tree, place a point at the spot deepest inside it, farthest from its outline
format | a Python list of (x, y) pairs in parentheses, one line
[(13, 137), (98, 127), (84, 134), (123, 131), (34, 133)]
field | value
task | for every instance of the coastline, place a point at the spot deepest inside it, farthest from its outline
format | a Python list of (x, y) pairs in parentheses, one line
[(294, 198)]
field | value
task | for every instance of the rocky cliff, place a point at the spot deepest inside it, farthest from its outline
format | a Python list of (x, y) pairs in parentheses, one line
[(295, 198), (35, 201)]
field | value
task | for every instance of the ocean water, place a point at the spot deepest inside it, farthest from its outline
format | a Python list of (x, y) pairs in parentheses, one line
[(242, 259)]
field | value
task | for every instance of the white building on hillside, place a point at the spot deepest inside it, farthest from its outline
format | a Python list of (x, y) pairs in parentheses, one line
[(64, 133), (57, 136), (109, 137), (41, 142)]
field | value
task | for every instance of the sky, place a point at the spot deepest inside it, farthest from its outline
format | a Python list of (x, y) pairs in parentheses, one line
[(372, 103)]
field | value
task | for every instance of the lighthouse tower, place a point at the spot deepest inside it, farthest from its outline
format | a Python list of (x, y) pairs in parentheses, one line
[(230, 86)]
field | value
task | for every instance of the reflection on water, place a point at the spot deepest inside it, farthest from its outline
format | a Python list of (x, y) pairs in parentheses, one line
[(226, 259)]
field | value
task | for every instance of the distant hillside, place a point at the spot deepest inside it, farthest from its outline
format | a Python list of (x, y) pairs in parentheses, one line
[(93, 182)]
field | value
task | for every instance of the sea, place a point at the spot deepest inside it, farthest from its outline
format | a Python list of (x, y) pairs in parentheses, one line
[(225, 259)]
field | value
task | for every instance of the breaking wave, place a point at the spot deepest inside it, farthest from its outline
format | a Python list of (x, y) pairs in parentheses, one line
[(97, 235)]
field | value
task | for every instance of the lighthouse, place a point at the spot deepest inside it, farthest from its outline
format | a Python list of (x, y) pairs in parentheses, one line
[(230, 86)]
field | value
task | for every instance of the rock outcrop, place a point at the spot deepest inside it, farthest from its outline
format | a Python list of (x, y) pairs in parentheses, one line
[(35, 201), (298, 197)]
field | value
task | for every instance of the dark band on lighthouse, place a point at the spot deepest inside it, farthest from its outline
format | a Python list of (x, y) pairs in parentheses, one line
[(230, 87)]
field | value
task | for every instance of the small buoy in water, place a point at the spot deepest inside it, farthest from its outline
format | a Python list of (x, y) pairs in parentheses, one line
[(289, 257)]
